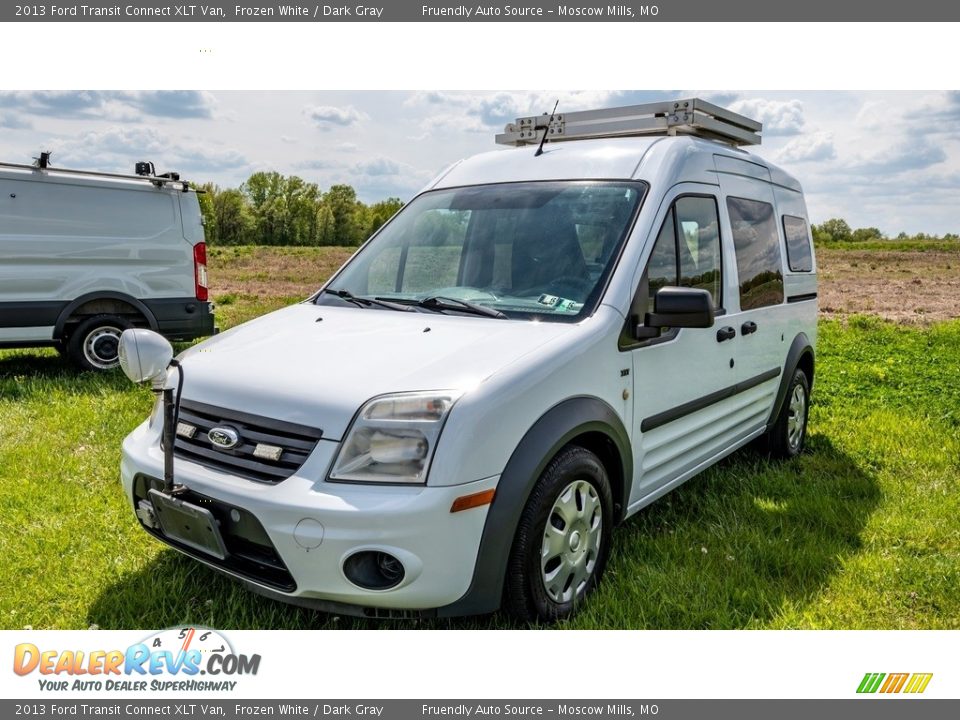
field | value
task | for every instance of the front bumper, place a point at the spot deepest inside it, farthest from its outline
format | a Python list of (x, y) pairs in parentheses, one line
[(314, 526)]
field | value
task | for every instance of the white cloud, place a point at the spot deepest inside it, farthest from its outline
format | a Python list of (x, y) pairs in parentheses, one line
[(118, 147), (817, 146), (907, 154), (316, 164), (380, 166), (115, 105), (779, 117), (485, 112), (171, 103), (12, 121), (326, 117)]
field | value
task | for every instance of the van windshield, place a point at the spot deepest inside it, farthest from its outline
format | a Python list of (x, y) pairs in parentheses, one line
[(533, 250)]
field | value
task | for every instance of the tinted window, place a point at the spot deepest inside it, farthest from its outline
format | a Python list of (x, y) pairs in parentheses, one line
[(699, 246), (757, 248), (686, 252), (662, 266), (799, 257)]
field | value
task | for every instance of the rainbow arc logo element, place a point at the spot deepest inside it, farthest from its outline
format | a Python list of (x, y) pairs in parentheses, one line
[(894, 682)]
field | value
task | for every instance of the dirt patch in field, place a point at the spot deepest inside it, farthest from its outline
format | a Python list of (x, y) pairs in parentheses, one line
[(909, 287), (267, 272)]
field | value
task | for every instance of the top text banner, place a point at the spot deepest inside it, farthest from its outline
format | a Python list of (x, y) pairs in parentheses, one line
[(522, 11)]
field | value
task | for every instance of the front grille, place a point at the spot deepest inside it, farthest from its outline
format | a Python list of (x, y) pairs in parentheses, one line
[(295, 441)]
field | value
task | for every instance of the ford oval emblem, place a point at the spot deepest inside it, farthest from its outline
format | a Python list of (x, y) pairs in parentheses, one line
[(224, 438)]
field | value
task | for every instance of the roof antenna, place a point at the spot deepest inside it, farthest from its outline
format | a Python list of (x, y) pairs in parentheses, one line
[(539, 151), (43, 162)]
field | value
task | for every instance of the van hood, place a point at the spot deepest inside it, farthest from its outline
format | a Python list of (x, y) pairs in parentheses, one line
[(316, 365)]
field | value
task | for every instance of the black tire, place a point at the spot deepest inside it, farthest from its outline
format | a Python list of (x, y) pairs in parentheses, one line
[(93, 344), (527, 596), (785, 439)]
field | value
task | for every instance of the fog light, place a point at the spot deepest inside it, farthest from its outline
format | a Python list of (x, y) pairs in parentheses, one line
[(374, 570)]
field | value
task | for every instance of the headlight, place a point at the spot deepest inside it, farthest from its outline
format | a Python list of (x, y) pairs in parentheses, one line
[(393, 438)]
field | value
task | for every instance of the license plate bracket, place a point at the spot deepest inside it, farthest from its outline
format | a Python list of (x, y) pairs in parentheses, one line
[(188, 524)]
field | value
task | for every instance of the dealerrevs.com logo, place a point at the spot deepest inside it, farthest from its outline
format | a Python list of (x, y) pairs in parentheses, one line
[(889, 683), (179, 659)]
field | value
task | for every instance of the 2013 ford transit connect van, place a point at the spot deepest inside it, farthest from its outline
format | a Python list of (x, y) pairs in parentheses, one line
[(85, 255), (541, 343)]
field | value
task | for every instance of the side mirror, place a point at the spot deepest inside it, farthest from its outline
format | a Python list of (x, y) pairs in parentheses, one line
[(677, 307), (144, 354)]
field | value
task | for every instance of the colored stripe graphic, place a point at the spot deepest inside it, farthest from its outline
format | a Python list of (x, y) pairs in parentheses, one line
[(894, 683), (918, 682), (870, 682)]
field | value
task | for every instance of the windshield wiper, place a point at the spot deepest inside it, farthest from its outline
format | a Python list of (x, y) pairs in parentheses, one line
[(440, 303), (364, 301)]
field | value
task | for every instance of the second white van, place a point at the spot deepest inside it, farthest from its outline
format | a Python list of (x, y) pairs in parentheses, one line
[(85, 255)]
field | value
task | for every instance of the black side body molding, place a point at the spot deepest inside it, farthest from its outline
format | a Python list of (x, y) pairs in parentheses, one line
[(688, 408), (555, 429), (30, 313), (798, 349)]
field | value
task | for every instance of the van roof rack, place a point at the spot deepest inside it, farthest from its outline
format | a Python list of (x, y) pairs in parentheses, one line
[(42, 164), (691, 116)]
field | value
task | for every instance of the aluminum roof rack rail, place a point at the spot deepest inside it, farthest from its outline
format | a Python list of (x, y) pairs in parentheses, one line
[(144, 172), (692, 116)]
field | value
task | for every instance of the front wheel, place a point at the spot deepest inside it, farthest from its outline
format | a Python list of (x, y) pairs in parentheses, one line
[(789, 432), (563, 539)]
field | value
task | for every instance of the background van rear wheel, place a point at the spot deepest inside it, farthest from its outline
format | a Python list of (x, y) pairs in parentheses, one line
[(94, 343), (789, 432), (563, 539)]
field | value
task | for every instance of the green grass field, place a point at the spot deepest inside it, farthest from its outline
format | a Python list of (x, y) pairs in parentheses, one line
[(862, 531), (949, 246)]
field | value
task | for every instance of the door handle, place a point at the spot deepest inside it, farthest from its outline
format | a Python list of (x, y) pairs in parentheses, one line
[(726, 333), (748, 327)]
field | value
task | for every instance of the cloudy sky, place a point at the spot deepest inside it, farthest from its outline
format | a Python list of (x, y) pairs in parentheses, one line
[(890, 160)]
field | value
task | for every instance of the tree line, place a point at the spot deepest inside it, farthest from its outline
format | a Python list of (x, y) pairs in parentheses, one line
[(839, 230), (274, 209)]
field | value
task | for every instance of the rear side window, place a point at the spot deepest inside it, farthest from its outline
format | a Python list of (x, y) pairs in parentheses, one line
[(799, 258), (757, 246)]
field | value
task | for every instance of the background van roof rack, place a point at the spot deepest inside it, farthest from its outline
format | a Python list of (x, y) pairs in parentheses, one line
[(691, 116), (143, 173)]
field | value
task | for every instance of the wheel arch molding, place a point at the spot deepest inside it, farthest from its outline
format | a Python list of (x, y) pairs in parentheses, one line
[(67, 313), (599, 428), (800, 354)]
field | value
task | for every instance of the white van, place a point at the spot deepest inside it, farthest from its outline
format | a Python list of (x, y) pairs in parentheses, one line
[(541, 343), (85, 255)]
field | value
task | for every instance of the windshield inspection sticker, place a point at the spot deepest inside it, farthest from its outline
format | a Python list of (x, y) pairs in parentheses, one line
[(558, 303)]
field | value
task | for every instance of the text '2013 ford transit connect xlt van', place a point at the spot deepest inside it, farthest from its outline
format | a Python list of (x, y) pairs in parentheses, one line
[(541, 343), (85, 255)]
